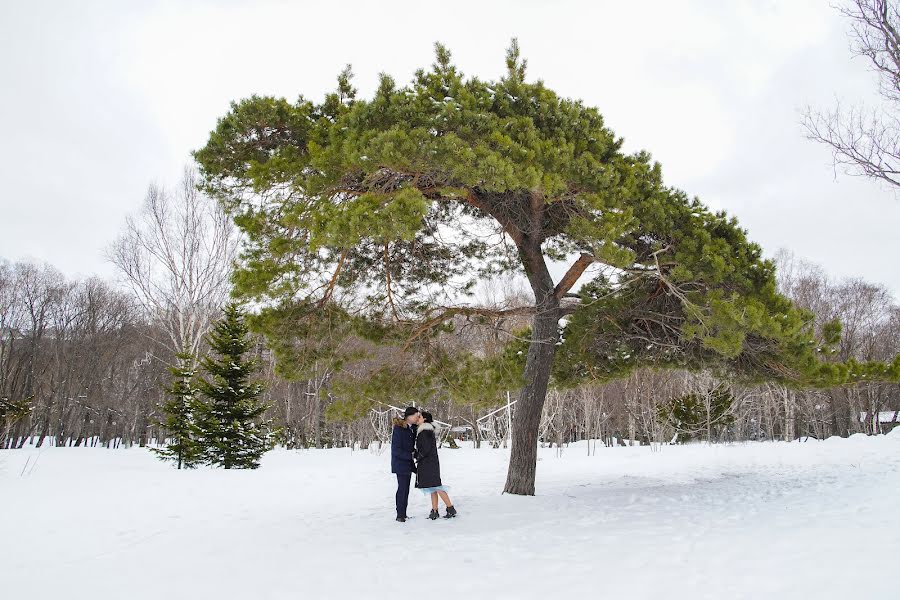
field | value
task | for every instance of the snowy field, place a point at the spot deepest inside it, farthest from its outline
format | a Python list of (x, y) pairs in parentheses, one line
[(809, 520)]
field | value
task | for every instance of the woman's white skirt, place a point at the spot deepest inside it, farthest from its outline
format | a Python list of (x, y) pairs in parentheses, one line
[(431, 490)]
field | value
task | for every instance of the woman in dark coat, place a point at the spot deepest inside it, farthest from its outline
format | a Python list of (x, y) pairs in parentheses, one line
[(428, 467)]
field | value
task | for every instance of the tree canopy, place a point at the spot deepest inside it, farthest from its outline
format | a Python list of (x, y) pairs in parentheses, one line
[(379, 217)]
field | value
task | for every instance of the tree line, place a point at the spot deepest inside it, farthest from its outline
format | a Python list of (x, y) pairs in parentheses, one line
[(82, 363)]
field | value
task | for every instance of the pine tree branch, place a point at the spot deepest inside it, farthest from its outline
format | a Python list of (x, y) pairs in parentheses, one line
[(450, 312), (572, 275)]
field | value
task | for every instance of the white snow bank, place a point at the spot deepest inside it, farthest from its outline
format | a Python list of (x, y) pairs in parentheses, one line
[(740, 521)]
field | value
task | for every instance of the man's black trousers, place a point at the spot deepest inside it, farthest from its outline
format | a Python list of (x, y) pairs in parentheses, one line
[(403, 480)]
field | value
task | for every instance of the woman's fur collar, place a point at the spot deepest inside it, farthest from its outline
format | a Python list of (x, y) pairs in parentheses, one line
[(424, 427)]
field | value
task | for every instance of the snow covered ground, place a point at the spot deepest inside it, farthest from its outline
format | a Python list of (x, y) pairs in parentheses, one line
[(813, 520)]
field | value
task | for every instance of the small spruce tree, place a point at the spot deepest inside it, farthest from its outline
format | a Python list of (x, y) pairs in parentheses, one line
[(694, 414), (231, 432), (179, 418)]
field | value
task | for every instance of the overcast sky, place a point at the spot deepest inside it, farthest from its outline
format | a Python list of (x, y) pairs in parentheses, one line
[(98, 99)]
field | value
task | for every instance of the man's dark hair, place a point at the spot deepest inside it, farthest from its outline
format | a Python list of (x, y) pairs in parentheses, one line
[(410, 411)]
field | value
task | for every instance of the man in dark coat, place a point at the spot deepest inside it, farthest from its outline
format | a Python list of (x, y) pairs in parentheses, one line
[(403, 443)]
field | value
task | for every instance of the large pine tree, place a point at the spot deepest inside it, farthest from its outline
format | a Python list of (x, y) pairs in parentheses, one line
[(179, 420), (379, 217), (229, 421)]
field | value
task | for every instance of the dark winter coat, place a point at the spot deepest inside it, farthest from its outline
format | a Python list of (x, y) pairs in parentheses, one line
[(429, 467), (403, 442)]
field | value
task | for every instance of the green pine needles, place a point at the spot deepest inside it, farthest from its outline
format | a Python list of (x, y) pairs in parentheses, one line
[(230, 432), (218, 420), (179, 416), (394, 209), (700, 413)]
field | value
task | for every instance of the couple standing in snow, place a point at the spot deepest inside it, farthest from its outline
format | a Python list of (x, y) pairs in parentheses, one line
[(414, 450)]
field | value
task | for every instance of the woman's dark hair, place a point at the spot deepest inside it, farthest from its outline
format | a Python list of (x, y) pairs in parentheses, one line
[(427, 416)]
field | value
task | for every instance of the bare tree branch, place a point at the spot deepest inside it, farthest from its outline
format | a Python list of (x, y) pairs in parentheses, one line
[(176, 255), (866, 142)]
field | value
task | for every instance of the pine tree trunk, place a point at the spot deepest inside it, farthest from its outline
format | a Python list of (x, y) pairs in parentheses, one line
[(523, 454), (544, 337)]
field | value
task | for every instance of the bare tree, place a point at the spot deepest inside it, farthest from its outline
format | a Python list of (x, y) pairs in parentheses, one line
[(10, 316), (867, 141), (176, 255)]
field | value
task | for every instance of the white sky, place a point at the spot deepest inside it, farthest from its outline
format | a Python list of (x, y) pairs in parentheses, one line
[(98, 99)]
